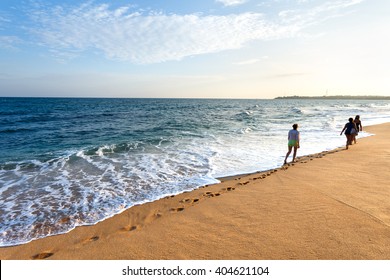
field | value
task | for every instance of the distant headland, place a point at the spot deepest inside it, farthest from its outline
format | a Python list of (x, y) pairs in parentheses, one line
[(357, 97)]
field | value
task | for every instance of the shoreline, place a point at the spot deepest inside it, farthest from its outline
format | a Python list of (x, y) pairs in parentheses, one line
[(262, 173), (292, 220), (221, 179)]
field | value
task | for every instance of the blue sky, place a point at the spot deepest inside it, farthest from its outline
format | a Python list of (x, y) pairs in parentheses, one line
[(194, 49)]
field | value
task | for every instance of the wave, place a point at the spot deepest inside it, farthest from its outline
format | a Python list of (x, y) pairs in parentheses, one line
[(89, 185), (242, 116), (244, 130), (296, 110)]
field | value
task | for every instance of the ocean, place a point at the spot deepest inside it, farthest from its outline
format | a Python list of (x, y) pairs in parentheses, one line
[(68, 162)]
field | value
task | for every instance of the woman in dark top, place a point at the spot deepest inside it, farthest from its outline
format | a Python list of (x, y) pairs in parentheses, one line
[(359, 127), (350, 129)]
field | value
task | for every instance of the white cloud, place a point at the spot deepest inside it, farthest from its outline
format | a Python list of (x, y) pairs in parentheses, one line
[(232, 2), (4, 21), (9, 42), (126, 35), (304, 17), (150, 38), (248, 62)]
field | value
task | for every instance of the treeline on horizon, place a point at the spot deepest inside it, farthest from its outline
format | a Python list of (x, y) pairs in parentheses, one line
[(361, 97)]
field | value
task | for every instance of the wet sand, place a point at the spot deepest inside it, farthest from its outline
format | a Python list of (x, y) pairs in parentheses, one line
[(331, 205)]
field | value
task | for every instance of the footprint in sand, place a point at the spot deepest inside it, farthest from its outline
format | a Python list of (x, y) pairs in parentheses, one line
[(179, 209), (91, 239), (211, 194), (152, 217), (42, 256), (244, 183), (148, 219), (189, 200), (157, 215), (129, 228)]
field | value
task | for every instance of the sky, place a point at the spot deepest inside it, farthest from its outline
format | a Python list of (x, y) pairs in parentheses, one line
[(194, 49)]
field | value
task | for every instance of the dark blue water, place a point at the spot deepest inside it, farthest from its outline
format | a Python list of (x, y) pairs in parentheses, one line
[(39, 128)]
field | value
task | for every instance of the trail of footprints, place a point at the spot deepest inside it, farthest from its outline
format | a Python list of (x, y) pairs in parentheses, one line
[(188, 202), (184, 203)]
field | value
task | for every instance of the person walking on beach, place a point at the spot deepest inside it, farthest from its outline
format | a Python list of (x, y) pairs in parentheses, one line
[(350, 129), (359, 127), (293, 142)]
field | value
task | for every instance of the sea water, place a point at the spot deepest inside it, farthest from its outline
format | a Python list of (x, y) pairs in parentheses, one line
[(71, 162)]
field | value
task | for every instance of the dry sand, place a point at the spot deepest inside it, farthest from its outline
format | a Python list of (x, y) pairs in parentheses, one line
[(333, 205)]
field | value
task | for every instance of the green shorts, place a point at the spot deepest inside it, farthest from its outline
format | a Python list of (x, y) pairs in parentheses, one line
[(292, 143)]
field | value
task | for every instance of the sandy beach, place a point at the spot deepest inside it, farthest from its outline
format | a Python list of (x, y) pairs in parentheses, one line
[(332, 205)]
